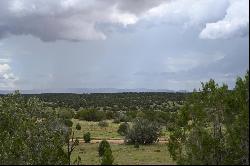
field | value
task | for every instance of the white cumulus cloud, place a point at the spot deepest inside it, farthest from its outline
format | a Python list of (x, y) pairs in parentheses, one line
[(7, 78), (217, 19), (235, 23)]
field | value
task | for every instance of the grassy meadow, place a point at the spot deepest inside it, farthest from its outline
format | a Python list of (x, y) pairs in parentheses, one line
[(156, 154), (123, 154), (98, 132)]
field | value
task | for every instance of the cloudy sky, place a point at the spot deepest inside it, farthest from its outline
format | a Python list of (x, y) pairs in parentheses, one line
[(156, 44)]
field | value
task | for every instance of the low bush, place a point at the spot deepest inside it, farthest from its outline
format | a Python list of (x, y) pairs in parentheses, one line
[(78, 126), (103, 123), (90, 115), (117, 121), (123, 128), (68, 122), (87, 137), (107, 158), (136, 145), (102, 146), (65, 113), (143, 131)]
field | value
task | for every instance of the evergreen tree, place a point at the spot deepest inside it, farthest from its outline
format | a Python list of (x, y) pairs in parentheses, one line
[(213, 126), (107, 158), (102, 146), (30, 133)]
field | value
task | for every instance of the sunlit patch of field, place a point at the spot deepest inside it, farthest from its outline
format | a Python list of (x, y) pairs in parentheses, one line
[(156, 154), (96, 131)]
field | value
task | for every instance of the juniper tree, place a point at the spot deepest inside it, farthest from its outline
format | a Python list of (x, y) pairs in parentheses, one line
[(30, 133), (213, 126)]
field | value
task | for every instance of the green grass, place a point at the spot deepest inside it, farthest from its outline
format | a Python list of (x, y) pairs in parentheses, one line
[(96, 131), (156, 154), (123, 154)]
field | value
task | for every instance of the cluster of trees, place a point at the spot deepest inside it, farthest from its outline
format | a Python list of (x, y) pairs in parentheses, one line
[(121, 107), (213, 126), (30, 133), (90, 115), (161, 117)]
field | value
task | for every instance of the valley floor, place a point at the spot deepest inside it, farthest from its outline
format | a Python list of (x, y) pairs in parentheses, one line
[(156, 154)]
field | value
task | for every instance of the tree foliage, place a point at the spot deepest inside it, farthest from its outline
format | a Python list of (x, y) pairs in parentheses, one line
[(90, 115), (87, 137), (78, 126), (107, 158), (123, 128), (103, 123), (30, 133), (102, 146), (114, 102), (213, 126), (143, 131), (68, 122), (65, 113)]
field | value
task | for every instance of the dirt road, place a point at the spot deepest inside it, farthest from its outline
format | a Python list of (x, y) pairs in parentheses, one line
[(116, 141)]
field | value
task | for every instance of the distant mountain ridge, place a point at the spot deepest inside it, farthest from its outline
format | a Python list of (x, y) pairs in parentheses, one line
[(89, 90)]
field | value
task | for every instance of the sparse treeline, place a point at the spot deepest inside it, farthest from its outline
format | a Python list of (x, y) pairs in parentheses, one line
[(114, 101), (121, 107)]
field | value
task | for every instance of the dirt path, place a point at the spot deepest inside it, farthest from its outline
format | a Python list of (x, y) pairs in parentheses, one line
[(116, 141)]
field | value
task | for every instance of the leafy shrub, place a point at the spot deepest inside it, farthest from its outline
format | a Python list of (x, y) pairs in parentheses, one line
[(143, 131), (76, 116), (131, 115), (117, 121), (87, 137), (25, 127), (91, 115), (107, 158), (65, 113), (123, 128), (122, 117), (161, 117), (103, 123), (137, 145), (110, 115), (212, 128), (141, 114), (68, 122), (102, 146), (78, 126)]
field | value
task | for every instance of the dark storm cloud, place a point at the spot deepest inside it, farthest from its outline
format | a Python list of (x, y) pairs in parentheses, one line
[(66, 19), (78, 20), (138, 6)]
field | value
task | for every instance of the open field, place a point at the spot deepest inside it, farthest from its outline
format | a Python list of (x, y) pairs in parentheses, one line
[(99, 133), (125, 154), (96, 131)]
